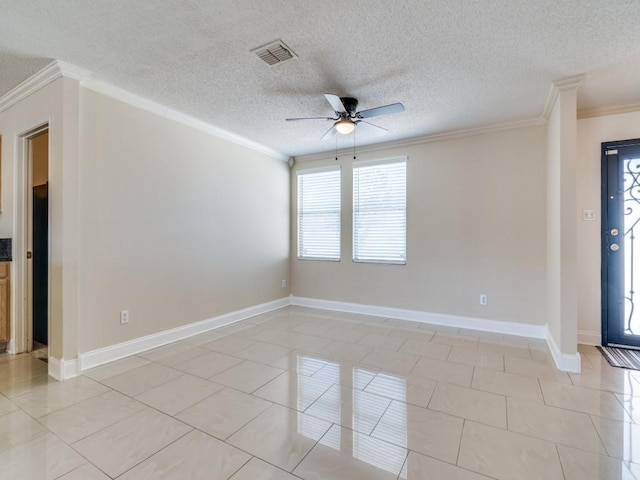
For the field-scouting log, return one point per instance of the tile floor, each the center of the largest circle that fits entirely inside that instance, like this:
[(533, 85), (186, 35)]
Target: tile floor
[(310, 394)]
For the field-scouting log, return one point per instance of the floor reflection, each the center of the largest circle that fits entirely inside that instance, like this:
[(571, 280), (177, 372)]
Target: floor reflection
[(355, 409)]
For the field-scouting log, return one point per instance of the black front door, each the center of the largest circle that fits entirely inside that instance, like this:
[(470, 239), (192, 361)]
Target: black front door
[(620, 243)]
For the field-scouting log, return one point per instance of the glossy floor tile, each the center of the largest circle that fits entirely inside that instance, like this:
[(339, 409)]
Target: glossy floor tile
[(444, 371), (176, 395), (425, 348), (345, 351), (247, 376), (18, 427), (224, 413), (139, 380), (85, 418), (43, 457), (294, 390), (343, 454), (420, 467), (256, 469), (477, 358), (389, 361), (471, 404), (508, 384), (296, 435), (420, 430), (85, 472), (586, 400), (581, 465), (45, 399), (204, 457), (408, 389), (558, 425), (310, 394), (208, 365), (352, 408), (125, 444), (506, 455)]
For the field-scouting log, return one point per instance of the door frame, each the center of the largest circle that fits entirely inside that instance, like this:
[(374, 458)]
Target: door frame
[(604, 231), (22, 226)]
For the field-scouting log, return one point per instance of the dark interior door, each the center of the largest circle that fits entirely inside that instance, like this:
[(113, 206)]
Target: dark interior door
[(40, 261), (620, 243)]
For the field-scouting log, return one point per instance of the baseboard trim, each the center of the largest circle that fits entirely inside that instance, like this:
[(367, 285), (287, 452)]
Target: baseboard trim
[(564, 361), (589, 338), (55, 368), (62, 369), (495, 326), (108, 354)]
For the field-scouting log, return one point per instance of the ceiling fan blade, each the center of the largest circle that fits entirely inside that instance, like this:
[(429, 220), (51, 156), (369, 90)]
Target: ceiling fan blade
[(330, 133), (367, 127), (335, 102), (309, 118), (385, 110)]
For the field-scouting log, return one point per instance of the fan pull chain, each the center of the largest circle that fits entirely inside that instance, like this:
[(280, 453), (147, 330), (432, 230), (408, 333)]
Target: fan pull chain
[(336, 148), (354, 144)]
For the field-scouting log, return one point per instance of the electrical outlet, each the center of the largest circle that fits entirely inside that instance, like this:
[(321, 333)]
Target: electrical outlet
[(483, 300), (284, 283), (124, 317)]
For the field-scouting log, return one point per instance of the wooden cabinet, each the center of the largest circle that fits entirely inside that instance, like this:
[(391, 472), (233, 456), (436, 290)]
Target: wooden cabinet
[(5, 295)]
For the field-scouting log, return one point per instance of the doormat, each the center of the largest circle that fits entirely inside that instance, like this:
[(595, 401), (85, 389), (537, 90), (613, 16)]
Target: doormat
[(621, 357)]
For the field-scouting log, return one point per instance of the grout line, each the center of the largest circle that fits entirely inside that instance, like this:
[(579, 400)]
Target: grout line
[(314, 445), (599, 436), (560, 462), (380, 419), (404, 465), (464, 423), (156, 452)]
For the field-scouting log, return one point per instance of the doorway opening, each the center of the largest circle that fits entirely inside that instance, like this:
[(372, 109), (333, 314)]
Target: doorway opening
[(32, 242)]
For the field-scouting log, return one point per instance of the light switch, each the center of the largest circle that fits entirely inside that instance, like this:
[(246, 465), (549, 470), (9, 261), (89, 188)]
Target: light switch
[(589, 215)]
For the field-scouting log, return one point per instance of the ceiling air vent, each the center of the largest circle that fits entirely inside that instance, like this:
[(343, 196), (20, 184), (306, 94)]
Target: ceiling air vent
[(274, 53)]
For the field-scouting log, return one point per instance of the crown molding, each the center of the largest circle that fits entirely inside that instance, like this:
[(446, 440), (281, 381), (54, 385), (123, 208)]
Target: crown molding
[(612, 110), (431, 138), (552, 96), (32, 84), (557, 86), (58, 69), (568, 83), (71, 71)]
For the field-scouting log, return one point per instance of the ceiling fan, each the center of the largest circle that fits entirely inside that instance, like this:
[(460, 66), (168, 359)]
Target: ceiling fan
[(347, 118)]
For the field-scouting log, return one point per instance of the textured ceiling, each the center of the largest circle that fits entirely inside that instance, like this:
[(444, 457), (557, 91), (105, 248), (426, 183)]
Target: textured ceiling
[(454, 64)]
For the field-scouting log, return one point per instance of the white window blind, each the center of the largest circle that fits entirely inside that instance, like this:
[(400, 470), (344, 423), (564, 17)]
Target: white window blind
[(319, 215), (380, 212)]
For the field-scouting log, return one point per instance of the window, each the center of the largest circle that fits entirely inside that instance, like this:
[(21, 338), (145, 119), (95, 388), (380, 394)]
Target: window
[(380, 212), (319, 214)]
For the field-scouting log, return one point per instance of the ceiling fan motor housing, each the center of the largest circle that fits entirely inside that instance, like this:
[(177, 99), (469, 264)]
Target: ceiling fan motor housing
[(350, 104)]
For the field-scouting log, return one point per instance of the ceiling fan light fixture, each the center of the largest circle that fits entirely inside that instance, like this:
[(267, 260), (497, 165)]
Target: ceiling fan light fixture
[(345, 126)]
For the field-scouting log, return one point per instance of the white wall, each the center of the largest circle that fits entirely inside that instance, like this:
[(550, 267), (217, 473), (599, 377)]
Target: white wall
[(476, 224), (177, 225), (591, 133)]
